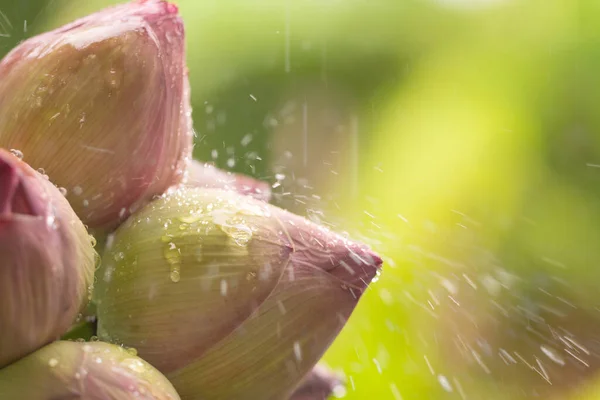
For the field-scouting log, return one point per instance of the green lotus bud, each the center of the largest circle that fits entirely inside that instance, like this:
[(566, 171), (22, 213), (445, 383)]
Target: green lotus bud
[(83, 371), (46, 261), (102, 105), (230, 297), (207, 176)]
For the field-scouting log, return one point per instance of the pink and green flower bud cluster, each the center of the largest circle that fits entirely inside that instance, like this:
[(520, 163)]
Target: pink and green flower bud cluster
[(222, 295)]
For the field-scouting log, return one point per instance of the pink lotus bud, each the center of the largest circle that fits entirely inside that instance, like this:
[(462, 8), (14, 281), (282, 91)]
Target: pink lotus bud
[(83, 371), (207, 176), (319, 384), (46, 261), (102, 105), (229, 296)]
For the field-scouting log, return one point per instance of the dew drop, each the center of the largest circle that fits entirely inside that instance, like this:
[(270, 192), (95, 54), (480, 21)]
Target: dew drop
[(17, 153), (235, 229), (189, 219), (131, 351), (77, 191), (172, 254), (53, 362), (62, 191), (134, 364), (51, 221), (175, 275)]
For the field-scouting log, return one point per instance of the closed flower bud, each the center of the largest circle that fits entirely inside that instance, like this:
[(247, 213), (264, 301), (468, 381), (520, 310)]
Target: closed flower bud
[(229, 296), (207, 176), (102, 104), (46, 261), (84, 371)]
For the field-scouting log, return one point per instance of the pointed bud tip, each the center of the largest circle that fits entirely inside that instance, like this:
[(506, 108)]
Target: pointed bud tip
[(353, 263), (358, 265), (153, 12), (16, 195), (156, 9), (165, 6)]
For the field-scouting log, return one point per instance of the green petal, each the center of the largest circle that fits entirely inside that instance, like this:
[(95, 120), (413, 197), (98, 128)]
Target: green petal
[(185, 271), (84, 371), (267, 357)]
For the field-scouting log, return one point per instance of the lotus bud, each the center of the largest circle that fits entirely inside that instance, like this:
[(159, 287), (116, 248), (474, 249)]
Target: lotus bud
[(230, 297), (102, 104), (84, 371), (47, 261), (318, 385), (207, 176)]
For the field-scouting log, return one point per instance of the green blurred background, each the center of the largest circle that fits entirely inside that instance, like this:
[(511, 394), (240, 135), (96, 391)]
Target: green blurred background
[(460, 138)]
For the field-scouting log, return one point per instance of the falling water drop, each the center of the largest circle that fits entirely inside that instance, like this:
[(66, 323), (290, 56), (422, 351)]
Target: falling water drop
[(297, 351), (445, 383), (223, 287)]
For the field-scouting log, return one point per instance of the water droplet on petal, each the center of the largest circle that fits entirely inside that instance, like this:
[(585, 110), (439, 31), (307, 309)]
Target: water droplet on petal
[(175, 275), (131, 351), (17, 153)]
